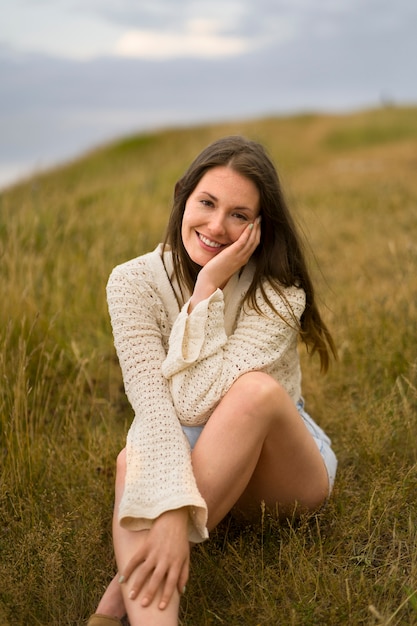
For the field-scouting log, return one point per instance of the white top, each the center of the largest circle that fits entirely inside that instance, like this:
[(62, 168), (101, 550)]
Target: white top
[(176, 368)]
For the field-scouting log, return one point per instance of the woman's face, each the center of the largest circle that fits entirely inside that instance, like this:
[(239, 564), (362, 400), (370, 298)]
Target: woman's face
[(221, 206)]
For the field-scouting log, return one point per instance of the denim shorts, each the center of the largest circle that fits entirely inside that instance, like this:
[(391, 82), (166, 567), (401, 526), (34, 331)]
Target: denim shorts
[(322, 440)]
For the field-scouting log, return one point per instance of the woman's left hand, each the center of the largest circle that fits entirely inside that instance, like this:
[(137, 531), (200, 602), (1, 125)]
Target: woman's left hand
[(161, 561)]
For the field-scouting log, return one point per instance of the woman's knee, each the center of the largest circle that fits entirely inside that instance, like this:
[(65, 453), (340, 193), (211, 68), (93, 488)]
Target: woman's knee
[(259, 389)]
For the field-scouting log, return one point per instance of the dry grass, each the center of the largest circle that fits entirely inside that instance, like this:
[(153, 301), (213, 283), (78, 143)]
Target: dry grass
[(63, 414)]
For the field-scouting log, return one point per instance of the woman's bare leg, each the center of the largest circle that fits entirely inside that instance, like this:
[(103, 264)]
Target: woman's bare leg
[(255, 447), (112, 603)]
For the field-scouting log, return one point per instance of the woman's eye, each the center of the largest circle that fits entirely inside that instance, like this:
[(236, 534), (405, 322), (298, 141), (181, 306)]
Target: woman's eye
[(240, 216), (208, 203)]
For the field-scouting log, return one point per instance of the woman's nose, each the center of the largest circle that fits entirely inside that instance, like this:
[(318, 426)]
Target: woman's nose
[(217, 225)]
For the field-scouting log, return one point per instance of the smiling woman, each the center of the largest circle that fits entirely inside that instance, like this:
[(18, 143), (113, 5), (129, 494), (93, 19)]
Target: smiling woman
[(206, 328)]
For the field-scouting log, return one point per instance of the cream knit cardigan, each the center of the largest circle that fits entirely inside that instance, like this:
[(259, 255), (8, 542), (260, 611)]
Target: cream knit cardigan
[(176, 368)]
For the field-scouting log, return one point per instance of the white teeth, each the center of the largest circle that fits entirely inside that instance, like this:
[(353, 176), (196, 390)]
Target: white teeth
[(208, 242)]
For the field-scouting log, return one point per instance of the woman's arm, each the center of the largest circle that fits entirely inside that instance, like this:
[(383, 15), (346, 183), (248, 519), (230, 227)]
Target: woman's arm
[(203, 363), (159, 474)]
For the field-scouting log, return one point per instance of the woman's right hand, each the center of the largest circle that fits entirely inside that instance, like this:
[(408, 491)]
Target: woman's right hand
[(161, 560)]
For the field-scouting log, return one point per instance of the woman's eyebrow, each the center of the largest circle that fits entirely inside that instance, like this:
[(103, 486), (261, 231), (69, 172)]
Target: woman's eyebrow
[(236, 208), (207, 193)]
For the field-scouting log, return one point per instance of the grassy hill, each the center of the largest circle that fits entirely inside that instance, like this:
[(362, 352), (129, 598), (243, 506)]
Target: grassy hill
[(352, 183)]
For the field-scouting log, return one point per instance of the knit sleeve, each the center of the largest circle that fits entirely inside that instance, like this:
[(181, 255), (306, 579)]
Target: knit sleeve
[(202, 362), (159, 473)]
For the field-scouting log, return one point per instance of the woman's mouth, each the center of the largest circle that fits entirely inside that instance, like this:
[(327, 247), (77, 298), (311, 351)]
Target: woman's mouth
[(209, 242)]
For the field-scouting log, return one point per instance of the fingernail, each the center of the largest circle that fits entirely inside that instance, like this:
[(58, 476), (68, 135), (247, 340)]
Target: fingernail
[(258, 219), (184, 589), (121, 579), (132, 595), (250, 226)]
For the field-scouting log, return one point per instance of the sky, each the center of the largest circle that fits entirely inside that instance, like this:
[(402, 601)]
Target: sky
[(75, 74)]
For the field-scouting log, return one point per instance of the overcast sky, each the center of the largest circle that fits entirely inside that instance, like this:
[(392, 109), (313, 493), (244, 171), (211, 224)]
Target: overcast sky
[(77, 73)]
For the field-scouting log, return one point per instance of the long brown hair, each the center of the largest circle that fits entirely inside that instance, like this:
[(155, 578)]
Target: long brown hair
[(279, 258)]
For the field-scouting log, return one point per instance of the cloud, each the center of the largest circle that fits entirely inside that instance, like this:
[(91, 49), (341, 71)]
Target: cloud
[(166, 14), (201, 38), (163, 29)]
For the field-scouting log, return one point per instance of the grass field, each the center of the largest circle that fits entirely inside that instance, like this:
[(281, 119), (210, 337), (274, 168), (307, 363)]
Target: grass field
[(352, 183)]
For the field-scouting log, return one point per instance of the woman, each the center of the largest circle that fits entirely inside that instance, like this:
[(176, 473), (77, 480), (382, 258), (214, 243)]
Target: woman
[(206, 330)]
